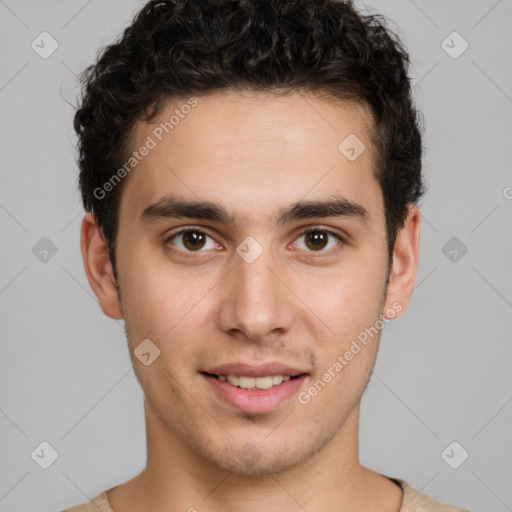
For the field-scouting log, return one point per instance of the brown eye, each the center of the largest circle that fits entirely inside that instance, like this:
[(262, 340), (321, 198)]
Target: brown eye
[(317, 240), (192, 240)]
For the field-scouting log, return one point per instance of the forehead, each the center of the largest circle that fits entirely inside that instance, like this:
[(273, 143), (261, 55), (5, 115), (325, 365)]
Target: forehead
[(253, 152)]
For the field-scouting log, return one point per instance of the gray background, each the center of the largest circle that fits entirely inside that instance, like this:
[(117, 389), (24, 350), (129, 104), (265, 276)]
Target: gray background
[(443, 371)]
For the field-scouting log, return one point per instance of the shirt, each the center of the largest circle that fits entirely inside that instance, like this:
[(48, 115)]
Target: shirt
[(413, 501)]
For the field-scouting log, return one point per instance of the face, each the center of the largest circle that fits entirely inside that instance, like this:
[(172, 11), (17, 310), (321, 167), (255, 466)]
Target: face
[(251, 252)]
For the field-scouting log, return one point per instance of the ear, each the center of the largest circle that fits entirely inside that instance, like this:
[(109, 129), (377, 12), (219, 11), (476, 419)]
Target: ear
[(404, 264), (98, 267)]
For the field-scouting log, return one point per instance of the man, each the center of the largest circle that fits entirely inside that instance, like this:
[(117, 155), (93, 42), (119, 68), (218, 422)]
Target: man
[(251, 172)]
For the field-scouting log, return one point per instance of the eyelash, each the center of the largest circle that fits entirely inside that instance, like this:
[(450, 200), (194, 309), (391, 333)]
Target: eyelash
[(306, 231)]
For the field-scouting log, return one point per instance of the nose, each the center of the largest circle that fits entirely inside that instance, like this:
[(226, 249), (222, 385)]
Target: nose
[(256, 304)]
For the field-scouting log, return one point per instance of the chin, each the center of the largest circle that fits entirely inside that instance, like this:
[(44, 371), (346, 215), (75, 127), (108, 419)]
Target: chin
[(253, 460)]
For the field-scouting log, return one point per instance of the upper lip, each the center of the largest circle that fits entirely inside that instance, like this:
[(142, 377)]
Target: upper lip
[(250, 370)]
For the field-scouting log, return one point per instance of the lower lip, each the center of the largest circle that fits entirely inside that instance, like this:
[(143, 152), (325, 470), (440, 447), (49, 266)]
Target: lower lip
[(256, 401)]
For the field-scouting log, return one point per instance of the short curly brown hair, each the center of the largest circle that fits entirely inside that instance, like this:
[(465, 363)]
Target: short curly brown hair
[(175, 48)]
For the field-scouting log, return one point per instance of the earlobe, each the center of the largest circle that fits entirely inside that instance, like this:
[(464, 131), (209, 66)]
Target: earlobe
[(405, 263), (98, 267)]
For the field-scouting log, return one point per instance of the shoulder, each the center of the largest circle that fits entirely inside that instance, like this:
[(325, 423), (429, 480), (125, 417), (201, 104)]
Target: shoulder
[(416, 501), (97, 504)]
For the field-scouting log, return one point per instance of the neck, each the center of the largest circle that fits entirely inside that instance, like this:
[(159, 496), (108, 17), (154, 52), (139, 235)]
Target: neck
[(176, 478)]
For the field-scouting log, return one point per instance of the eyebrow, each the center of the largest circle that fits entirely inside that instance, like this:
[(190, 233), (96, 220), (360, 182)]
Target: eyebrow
[(172, 207)]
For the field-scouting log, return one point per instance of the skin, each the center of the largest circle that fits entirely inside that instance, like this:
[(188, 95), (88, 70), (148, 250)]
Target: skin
[(296, 304)]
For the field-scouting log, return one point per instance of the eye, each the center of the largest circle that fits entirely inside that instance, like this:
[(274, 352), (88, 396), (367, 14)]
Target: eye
[(192, 240), (317, 240), (195, 240)]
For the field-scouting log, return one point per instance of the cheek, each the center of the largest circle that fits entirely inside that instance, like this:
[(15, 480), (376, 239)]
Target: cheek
[(148, 296), (161, 303), (350, 300)]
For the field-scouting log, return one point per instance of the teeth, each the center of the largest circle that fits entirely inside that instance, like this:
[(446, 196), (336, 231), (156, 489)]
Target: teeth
[(245, 382), (266, 382), (233, 380), (277, 379)]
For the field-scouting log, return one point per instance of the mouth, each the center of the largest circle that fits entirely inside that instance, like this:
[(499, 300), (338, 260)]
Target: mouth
[(248, 382), (254, 390)]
